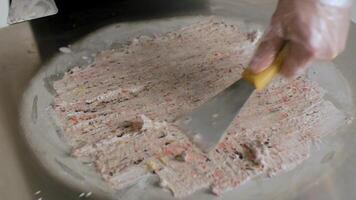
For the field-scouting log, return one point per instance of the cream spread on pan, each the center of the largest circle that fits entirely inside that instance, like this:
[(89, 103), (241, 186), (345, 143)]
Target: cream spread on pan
[(117, 112)]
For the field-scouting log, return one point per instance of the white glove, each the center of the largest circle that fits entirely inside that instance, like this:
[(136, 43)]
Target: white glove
[(315, 29)]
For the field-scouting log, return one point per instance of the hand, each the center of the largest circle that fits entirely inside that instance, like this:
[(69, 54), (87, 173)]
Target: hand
[(315, 29)]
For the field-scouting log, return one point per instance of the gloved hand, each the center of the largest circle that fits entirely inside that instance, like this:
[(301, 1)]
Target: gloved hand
[(315, 29)]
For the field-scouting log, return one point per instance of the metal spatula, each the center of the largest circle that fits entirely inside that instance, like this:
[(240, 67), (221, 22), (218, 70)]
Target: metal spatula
[(23, 10), (207, 124)]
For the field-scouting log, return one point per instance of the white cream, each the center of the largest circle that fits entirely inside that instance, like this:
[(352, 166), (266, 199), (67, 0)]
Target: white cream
[(180, 71)]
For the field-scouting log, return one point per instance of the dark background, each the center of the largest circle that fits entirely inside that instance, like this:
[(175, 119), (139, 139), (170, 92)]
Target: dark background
[(77, 18)]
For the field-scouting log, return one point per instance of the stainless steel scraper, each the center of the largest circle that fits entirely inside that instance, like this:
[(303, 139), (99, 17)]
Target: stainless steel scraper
[(23, 10), (207, 124)]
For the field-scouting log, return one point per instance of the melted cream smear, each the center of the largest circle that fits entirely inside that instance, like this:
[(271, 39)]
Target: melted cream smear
[(117, 112)]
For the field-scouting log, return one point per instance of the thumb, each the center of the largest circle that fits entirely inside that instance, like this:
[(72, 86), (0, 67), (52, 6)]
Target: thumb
[(266, 52)]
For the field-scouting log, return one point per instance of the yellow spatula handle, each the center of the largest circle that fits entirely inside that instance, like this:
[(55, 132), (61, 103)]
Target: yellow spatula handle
[(262, 79)]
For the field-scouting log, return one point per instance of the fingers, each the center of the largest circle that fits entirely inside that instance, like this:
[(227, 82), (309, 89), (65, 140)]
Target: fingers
[(296, 61), (266, 52)]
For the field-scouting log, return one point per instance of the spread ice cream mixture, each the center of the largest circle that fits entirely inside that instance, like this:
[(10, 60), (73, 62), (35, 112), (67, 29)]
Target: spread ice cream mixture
[(117, 112)]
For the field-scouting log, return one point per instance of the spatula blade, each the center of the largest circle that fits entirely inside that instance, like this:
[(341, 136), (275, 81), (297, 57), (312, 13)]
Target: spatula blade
[(23, 10), (207, 124)]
